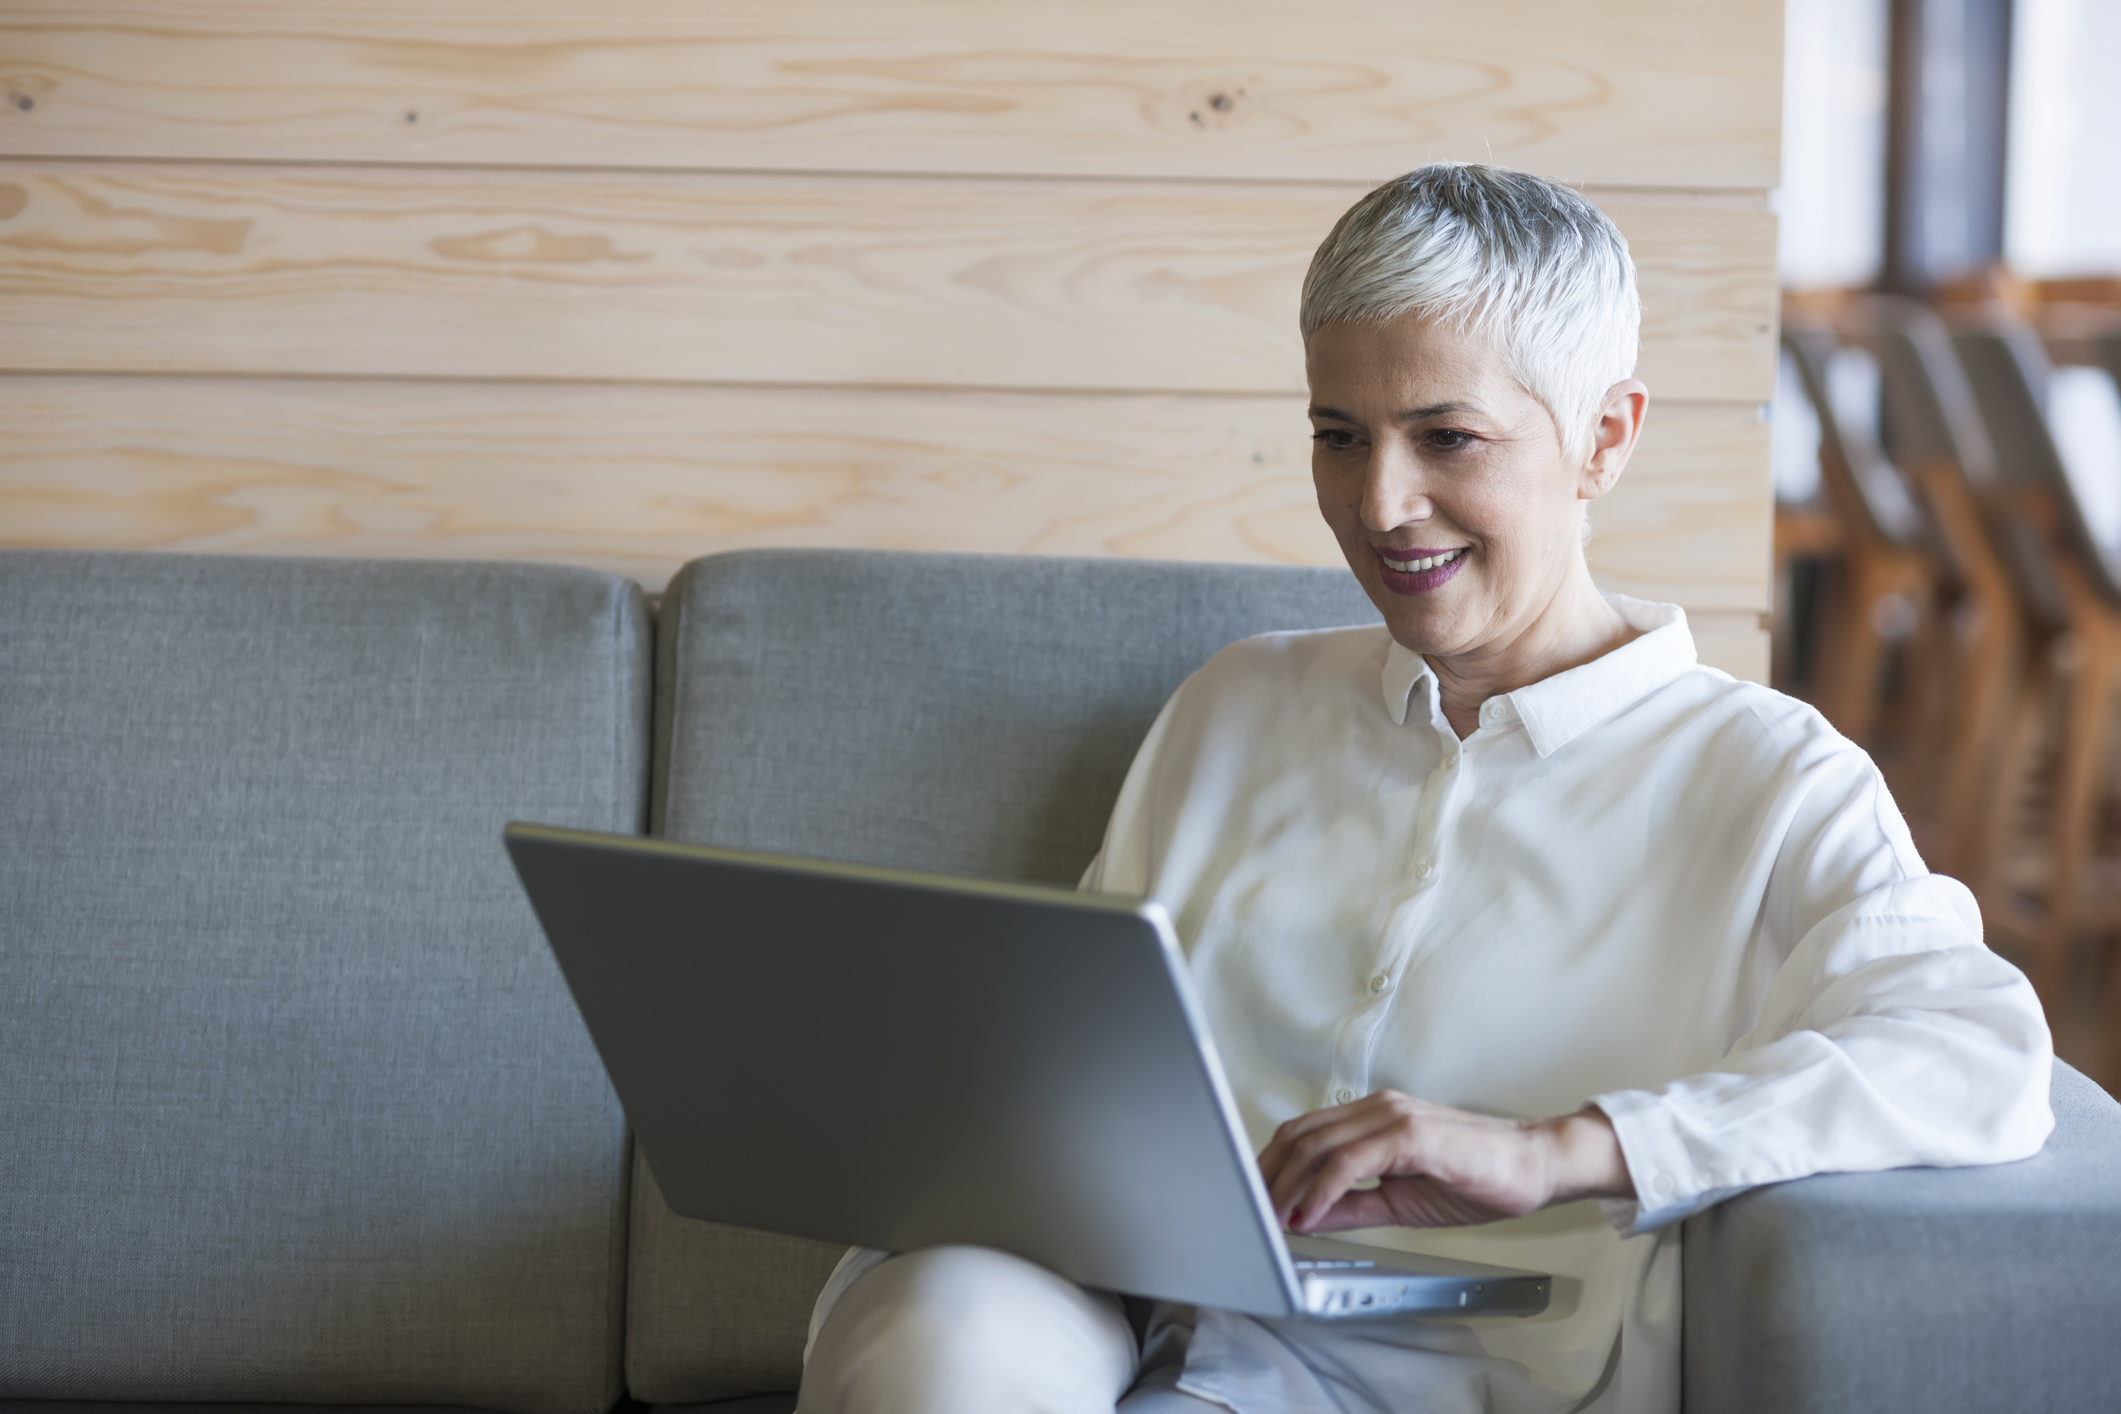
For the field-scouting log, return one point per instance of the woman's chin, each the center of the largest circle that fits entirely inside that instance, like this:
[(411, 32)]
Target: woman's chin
[(1431, 635), (1429, 624)]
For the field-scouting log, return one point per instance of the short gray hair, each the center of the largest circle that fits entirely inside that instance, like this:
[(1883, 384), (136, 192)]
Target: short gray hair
[(1527, 262)]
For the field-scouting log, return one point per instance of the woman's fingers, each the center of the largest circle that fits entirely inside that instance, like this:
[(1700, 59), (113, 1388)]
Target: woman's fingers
[(1277, 1162), (1299, 1146), (1323, 1160), (1437, 1165), (1286, 1137), (1362, 1157), (1402, 1202), (1359, 1207)]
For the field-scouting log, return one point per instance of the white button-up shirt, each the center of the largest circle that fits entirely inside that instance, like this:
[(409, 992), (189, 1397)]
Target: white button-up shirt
[(1639, 883)]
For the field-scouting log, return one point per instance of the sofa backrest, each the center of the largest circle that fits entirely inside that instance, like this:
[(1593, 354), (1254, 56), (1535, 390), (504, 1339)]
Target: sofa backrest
[(964, 713), (297, 1106)]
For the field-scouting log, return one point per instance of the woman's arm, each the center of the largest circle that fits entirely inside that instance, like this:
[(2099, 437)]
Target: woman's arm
[(1887, 1036), (1890, 1036), (1435, 1166)]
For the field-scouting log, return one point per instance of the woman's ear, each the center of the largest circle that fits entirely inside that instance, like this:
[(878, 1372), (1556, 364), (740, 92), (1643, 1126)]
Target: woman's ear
[(1613, 438)]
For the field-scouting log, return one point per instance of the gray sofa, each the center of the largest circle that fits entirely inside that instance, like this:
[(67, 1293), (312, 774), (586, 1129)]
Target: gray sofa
[(296, 1108)]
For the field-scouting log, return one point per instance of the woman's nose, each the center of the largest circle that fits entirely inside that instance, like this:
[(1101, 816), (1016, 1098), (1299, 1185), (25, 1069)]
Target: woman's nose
[(1392, 494)]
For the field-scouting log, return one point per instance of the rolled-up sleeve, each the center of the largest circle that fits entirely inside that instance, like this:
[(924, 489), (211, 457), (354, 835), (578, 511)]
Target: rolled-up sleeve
[(1889, 1035)]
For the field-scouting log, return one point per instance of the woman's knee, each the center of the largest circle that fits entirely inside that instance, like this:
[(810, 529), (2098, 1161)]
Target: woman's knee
[(971, 1329)]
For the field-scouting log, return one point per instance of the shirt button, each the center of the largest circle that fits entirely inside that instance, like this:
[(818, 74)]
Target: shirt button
[(1343, 1096), (1666, 1183), (1380, 982), (1422, 870), (1491, 711)]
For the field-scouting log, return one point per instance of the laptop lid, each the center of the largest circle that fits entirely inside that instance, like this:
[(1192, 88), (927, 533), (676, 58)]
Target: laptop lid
[(897, 1060)]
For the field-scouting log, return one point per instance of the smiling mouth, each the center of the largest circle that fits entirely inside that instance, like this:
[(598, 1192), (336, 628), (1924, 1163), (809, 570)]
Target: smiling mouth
[(1420, 563)]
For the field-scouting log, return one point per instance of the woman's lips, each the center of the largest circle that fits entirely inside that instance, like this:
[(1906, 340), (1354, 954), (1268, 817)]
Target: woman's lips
[(1419, 581)]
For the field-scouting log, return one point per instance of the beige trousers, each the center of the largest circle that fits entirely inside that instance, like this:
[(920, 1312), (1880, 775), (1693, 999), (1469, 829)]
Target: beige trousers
[(969, 1330)]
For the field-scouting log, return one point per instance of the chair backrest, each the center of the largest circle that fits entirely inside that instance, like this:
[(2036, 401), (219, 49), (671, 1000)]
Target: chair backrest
[(1931, 418), (297, 1106), (1794, 437), (2084, 417), (2109, 350), (965, 713), (1841, 384), (1929, 407), (2009, 371)]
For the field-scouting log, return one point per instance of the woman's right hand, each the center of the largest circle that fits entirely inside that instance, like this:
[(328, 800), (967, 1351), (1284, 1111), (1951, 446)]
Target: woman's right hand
[(1435, 1166)]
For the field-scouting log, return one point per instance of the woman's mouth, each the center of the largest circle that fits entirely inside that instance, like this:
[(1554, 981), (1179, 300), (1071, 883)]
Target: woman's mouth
[(1418, 571)]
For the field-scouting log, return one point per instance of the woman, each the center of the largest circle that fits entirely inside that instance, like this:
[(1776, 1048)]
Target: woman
[(1508, 905)]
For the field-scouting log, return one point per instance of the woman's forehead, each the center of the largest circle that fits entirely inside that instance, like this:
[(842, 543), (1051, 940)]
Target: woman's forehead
[(1413, 364)]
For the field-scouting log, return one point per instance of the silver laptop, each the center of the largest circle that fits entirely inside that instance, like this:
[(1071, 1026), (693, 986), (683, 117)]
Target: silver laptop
[(899, 1060)]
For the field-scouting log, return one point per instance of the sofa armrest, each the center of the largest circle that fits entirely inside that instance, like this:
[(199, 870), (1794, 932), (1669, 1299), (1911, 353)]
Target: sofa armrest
[(1943, 1290)]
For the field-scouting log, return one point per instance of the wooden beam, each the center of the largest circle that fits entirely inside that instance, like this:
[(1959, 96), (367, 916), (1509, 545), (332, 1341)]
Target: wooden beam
[(642, 478), (1650, 92), (554, 275)]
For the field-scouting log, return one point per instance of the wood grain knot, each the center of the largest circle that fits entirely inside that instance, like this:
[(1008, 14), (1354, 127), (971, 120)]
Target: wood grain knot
[(23, 90), (1217, 107), (12, 199)]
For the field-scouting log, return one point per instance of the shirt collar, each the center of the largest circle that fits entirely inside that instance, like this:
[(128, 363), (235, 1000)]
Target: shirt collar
[(1557, 710)]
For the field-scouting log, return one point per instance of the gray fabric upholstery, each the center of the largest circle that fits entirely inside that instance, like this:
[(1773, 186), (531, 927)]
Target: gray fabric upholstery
[(973, 714), (1952, 1291), (85, 1406), (714, 1311), (297, 1107)]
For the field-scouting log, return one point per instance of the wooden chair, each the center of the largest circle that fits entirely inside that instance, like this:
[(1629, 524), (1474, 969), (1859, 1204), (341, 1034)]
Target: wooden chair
[(1886, 580), (2008, 608), (2008, 369), (1808, 536), (2108, 352), (2092, 291), (2107, 349)]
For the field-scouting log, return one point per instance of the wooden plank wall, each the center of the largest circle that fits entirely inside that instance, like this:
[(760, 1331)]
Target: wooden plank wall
[(625, 283)]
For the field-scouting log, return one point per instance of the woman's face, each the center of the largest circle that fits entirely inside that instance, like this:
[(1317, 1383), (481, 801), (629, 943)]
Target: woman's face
[(1446, 482)]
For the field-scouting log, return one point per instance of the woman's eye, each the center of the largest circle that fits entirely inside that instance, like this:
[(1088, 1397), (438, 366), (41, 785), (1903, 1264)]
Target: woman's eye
[(1334, 440), (1447, 439)]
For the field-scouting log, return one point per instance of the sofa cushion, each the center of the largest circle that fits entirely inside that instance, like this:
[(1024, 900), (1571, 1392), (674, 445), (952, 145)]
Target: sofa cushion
[(297, 1105), (1952, 1291), (85, 1406), (965, 713)]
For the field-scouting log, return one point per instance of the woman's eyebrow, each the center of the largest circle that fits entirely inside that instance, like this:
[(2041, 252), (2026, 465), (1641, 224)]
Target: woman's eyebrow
[(1437, 410), (1319, 410)]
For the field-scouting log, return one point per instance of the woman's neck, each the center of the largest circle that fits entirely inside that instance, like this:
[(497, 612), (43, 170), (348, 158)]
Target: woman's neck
[(1575, 626)]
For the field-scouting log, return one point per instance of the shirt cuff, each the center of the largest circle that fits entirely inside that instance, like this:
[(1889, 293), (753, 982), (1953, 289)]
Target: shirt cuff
[(1668, 1184)]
